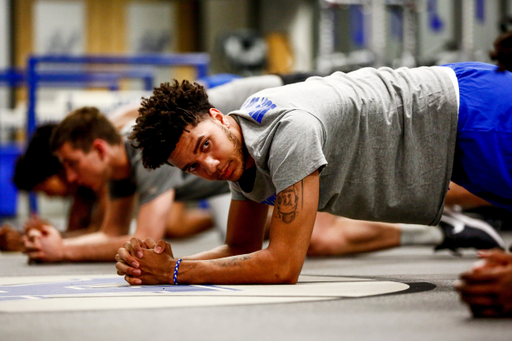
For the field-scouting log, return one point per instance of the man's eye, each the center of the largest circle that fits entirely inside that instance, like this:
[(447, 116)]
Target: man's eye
[(192, 167), (206, 144)]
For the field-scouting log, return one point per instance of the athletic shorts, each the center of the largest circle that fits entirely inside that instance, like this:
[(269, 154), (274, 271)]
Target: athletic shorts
[(483, 154)]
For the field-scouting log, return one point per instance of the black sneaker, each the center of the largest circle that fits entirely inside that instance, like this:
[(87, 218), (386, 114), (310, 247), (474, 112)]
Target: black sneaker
[(461, 231)]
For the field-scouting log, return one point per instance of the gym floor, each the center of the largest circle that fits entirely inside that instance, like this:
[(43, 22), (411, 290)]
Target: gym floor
[(429, 310)]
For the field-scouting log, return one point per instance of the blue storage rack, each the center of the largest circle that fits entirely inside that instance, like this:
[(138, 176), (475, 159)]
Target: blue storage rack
[(35, 77), (8, 153)]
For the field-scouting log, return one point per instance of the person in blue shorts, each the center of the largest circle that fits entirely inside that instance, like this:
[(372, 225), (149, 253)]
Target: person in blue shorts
[(373, 144)]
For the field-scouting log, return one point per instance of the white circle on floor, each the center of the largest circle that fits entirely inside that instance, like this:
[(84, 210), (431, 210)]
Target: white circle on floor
[(107, 292)]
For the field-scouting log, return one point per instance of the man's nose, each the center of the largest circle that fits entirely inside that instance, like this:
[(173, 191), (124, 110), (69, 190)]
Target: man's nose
[(210, 165), (71, 175)]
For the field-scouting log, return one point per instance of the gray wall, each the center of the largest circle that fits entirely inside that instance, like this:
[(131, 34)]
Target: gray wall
[(296, 19), (219, 17)]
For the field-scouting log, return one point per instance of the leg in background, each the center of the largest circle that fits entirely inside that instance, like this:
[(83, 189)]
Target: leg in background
[(185, 222), (339, 236)]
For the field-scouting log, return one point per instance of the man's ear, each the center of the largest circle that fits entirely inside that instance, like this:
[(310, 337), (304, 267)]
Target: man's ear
[(219, 117), (100, 146)]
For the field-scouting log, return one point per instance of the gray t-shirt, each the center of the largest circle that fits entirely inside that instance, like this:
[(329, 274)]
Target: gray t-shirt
[(383, 140), (149, 184)]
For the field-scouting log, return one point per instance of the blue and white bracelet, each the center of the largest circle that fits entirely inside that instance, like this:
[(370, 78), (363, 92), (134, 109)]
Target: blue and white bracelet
[(176, 271)]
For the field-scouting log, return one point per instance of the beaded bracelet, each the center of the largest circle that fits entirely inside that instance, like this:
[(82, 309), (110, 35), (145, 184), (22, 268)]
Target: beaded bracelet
[(176, 271)]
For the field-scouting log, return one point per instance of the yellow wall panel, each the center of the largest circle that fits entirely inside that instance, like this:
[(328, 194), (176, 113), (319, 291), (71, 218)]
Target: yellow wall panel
[(22, 30), (106, 26)]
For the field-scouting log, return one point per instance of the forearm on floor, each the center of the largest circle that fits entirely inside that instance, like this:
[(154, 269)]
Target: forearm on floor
[(260, 267), (95, 247)]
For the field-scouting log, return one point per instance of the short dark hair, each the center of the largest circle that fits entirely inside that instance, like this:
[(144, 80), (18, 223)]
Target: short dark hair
[(37, 163), (163, 118), (81, 127), (502, 52)]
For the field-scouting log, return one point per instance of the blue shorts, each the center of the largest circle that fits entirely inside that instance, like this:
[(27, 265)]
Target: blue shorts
[(483, 154)]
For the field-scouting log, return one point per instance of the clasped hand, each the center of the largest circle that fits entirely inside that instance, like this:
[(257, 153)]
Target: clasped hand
[(42, 242), (487, 288), (146, 262)]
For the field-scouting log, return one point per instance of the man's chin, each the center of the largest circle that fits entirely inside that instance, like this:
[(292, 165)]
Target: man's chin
[(235, 176)]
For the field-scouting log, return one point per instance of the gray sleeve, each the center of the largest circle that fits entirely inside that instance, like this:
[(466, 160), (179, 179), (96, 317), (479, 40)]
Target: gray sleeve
[(236, 193), (296, 149), (153, 183), (232, 95)]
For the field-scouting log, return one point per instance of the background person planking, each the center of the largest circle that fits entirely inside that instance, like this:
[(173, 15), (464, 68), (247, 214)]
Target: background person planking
[(93, 154)]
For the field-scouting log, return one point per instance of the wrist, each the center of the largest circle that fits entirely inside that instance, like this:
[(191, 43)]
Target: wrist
[(64, 253), (176, 272)]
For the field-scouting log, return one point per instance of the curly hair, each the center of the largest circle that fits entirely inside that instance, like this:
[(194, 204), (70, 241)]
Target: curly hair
[(164, 117), (502, 52), (37, 163)]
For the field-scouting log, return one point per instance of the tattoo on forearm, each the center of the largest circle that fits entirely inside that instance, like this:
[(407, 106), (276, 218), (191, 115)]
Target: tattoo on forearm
[(288, 201), (232, 261)]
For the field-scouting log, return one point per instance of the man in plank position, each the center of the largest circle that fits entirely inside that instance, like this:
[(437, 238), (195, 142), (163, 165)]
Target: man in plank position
[(374, 144)]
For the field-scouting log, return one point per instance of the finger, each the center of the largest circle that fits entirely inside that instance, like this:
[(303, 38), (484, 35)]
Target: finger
[(118, 258), (128, 246), (121, 273), (482, 276), (127, 257), (35, 255), (32, 243), (137, 246), (162, 246), (127, 270), (496, 256), (31, 248), (28, 243), (33, 234), (32, 224), (150, 243), (482, 264), (484, 289), (44, 230), (475, 296), (132, 281)]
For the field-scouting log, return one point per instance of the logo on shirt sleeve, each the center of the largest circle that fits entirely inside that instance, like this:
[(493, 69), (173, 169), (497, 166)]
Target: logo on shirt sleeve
[(257, 107), (271, 200)]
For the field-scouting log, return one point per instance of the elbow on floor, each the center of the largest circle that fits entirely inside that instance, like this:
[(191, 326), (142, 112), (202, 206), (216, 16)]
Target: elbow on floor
[(286, 276)]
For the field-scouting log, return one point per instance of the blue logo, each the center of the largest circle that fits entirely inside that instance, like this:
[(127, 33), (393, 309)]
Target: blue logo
[(271, 200), (257, 107)]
